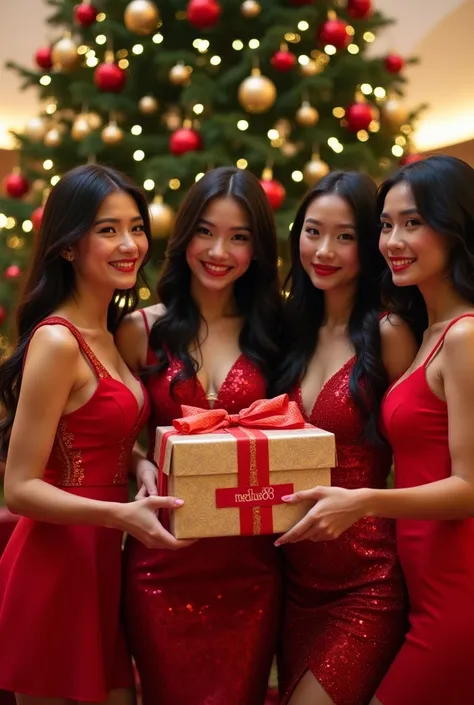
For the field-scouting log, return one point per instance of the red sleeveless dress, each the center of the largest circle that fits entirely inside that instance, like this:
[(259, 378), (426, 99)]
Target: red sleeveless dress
[(436, 662), (60, 626), (202, 621), (344, 600)]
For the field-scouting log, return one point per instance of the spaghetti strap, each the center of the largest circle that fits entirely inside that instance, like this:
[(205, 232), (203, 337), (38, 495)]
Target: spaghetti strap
[(443, 335), (97, 366), (145, 321)]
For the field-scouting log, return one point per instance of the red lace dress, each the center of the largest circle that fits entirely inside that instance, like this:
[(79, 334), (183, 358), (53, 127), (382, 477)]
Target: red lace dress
[(344, 600), (60, 629), (202, 621), (435, 664)]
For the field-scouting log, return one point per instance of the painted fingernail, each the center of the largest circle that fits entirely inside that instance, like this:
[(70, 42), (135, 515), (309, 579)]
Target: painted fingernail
[(179, 502), (286, 498)]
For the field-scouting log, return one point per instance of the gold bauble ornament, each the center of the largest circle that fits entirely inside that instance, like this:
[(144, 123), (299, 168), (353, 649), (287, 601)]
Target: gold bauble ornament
[(310, 69), (394, 113), (38, 185), (289, 149), (283, 127), (36, 129), (314, 170), (173, 122), (148, 105), (162, 218), (53, 137), (94, 120), (80, 128), (180, 74), (307, 115), (257, 93), (112, 134), (141, 17), (64, 55), (250, 8)]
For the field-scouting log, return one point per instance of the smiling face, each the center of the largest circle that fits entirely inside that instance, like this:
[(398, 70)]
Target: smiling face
[(414, 252), (113, 250), (328, 243), (221, 249)]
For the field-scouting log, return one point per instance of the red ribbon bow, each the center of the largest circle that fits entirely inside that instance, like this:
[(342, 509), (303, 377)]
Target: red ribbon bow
[(275, 413)]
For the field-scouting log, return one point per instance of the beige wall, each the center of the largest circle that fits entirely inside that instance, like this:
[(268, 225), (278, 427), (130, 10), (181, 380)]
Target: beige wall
[(7, 162)]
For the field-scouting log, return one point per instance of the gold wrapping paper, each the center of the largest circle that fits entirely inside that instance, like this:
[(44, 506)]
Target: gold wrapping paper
[(198, 465)]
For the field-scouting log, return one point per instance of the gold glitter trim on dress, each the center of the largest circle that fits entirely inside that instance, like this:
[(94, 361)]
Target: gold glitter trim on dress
[(121, 476), (71, 460)]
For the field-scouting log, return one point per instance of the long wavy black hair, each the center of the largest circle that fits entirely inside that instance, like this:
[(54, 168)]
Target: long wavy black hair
[(256, 292), (443, 191), (69, 214), (304, 311)]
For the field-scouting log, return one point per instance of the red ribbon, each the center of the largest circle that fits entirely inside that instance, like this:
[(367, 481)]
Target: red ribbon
[(254, 496), (264, 414)]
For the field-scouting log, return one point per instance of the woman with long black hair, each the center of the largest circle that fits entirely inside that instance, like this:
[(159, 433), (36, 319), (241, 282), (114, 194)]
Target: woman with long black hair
[(344, 602), (72, 413), (202, 621)]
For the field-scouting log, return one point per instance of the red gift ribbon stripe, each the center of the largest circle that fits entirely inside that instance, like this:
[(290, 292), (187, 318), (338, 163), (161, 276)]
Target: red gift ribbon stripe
[(253, 470), (163, 514)]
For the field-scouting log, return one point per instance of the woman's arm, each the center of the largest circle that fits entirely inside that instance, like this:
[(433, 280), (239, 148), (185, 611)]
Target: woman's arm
[(132, 342), (449, 499), (49, 377), (145, 472), (131, 339), (399, 346), (452, 498)]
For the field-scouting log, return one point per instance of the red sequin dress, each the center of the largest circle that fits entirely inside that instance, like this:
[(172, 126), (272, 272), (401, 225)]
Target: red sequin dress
[(202, 621), (435, 664), (60, 626), (344, 600)]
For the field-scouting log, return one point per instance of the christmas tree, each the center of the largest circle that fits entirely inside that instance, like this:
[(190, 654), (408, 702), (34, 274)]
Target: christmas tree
[(166, 90)]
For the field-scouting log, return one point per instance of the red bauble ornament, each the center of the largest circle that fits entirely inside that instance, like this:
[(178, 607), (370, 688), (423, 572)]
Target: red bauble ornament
[(334, 32), (185, 140), (36, 218), (410, 159), (16, 185), (109, 78), (359, 9), (85, 14), (283, 60), (394, 63), (359, 116), (43, 58), (12, 272), (275, 192), (3, 315), (203, 14)]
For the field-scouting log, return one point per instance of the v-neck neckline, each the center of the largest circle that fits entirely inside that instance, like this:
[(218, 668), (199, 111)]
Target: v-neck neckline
[(224, 383), (322, 390)]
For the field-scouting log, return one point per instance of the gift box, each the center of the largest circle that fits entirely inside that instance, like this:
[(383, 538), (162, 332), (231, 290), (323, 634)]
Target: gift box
[(233, 470)]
